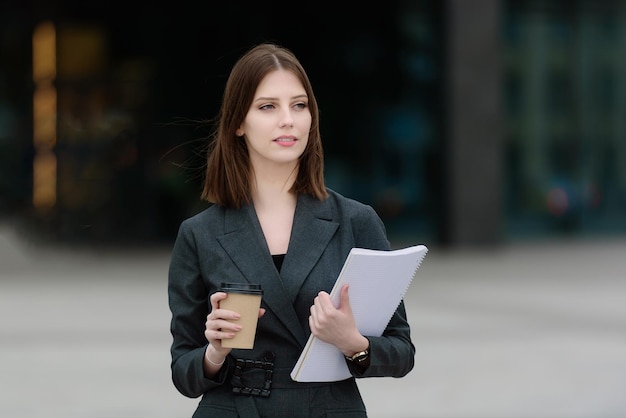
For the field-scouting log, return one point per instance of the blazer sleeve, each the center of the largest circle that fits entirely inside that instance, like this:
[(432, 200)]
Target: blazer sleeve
[(392, 354), (189, 306)]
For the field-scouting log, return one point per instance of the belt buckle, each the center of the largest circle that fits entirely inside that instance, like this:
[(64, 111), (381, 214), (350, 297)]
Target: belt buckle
[(242, 365)]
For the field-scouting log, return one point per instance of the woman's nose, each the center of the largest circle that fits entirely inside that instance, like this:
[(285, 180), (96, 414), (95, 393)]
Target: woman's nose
[(286, 120)]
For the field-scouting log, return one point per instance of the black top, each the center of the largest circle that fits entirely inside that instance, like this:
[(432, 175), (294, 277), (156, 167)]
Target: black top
[(278, 260)]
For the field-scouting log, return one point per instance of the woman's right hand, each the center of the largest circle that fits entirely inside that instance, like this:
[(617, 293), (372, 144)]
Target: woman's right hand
[(219, 324)]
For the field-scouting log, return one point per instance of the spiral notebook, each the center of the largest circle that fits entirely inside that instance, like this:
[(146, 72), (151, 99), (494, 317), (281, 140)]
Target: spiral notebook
[(378, 281)]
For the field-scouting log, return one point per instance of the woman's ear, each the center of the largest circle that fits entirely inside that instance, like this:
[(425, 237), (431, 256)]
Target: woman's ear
[(239, 132)]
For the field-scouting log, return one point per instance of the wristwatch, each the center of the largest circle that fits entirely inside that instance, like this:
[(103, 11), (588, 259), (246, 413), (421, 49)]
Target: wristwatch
[(359, 357)]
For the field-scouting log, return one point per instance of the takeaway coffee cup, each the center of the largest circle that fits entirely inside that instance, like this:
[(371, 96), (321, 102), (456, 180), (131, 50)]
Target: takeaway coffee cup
[(245, 299)]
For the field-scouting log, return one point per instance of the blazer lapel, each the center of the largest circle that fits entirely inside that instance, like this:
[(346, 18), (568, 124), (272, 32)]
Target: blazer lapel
[(244, 242), (311, 232)]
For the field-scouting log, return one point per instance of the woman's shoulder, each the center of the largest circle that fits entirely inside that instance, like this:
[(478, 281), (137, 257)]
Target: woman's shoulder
[(355, 211), (348, 203), (367, 226), (203, 217)]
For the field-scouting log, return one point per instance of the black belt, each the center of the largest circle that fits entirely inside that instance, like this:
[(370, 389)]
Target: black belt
[(244, 367), (258, 377)]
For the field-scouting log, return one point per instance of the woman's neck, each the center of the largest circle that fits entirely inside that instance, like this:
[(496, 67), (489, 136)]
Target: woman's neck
[(273, 184), (275, 206), (267, 195)]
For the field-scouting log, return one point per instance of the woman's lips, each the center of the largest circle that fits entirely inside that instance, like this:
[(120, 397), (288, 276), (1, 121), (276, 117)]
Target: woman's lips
[(286, 140)]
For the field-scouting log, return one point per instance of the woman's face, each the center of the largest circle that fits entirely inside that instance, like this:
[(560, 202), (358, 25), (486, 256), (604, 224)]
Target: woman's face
[(276, 127)]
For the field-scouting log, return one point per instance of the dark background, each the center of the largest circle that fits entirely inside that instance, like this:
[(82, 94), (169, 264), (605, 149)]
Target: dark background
[(424, 113)]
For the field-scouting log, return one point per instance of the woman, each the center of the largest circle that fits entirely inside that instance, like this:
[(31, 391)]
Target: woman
[(273, 222)]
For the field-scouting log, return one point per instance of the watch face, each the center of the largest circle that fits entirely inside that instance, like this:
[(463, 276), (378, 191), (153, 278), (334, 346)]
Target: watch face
[(359, 357)]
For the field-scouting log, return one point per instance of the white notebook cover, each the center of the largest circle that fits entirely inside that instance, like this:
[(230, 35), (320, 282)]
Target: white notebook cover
[(378, 281)]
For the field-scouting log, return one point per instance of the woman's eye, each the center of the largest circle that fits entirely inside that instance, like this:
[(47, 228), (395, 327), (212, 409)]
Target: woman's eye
[(266, 107), (300, 106)]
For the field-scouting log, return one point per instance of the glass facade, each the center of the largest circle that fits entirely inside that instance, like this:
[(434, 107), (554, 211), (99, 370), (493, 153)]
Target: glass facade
[(565, 72), (382, 124), (129, 89)]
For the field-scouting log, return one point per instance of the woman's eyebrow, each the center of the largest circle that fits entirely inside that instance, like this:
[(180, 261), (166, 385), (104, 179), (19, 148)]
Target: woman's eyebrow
[(269, 99)]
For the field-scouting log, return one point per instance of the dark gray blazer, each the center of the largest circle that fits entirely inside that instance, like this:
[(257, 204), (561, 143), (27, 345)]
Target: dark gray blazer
[(221, 245)]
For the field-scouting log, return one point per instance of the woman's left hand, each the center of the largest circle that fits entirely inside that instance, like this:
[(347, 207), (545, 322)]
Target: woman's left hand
[(336, 326)]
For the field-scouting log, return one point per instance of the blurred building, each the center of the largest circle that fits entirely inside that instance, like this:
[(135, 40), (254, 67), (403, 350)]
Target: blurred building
[(565, 142), (461, 122)]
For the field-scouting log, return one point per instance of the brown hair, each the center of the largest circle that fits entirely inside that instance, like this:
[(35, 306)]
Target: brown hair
[(228, 171)]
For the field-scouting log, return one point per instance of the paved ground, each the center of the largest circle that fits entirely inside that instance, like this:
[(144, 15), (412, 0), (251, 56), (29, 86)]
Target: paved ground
[(531, 330)]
